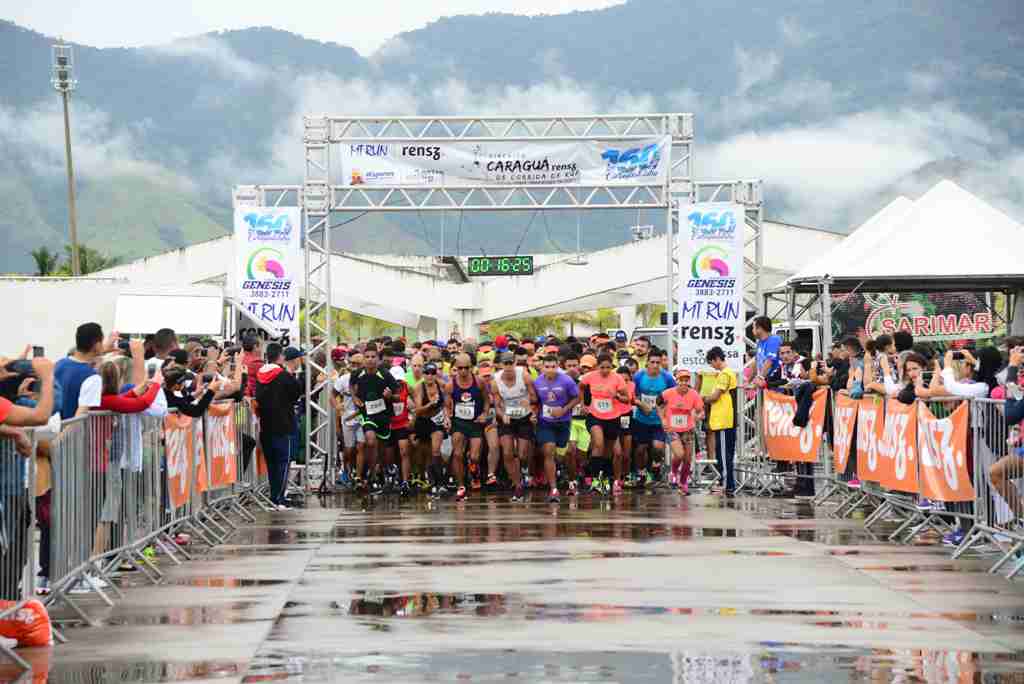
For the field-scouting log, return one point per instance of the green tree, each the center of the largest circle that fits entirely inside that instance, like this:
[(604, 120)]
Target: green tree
[(46, 261), (89, 260), (649, 315)]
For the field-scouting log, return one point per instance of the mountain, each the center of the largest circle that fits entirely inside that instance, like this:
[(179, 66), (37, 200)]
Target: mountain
[(835, 105)]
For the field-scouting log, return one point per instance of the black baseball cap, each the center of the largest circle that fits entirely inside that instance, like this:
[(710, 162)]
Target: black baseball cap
[(292, 353)]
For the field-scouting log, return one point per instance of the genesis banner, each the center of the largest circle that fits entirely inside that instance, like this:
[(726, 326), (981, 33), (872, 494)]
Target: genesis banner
[(507, 162), (268, 262), (710, 287)]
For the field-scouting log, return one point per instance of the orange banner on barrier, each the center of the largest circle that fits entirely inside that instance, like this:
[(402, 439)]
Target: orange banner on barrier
[(199, 443), (870, 426), (843, 423), (943, 451), (897, 452), (785, 441), (220, 428), (178, 448)]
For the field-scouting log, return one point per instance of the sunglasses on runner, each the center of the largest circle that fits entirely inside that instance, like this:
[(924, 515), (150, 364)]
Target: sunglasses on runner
[(462, 367)]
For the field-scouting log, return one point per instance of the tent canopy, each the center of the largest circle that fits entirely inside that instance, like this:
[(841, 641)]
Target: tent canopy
[(949, 240)]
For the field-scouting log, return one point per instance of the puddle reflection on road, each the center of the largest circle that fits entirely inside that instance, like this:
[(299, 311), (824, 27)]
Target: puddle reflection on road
[(768, 661)]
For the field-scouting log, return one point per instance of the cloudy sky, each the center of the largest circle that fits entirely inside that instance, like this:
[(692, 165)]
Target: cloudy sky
[(362, 25)]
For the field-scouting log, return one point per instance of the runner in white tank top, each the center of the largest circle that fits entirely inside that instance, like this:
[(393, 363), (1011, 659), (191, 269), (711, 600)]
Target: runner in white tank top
[(516, 417)]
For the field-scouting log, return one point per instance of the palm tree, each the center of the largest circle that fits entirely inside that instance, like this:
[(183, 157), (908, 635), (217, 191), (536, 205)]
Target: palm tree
[(650, 314), (89, 261), (46, 261), (579, 317)]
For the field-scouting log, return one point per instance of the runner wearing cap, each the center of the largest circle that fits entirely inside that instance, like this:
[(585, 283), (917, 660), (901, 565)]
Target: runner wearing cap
[(353, 437), (400, 432), (579, 438), (470, 405), (432, 422), (600, 389), (485, 371), (680, 408), (514, 403)]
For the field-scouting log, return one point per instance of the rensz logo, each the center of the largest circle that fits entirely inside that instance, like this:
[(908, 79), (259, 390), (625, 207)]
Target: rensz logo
[(712, 225), (633, 163), (269, 226)]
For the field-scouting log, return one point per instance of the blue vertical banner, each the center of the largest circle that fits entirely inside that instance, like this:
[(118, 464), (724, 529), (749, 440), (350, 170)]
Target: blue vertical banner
[(710, 292), (268, 263)]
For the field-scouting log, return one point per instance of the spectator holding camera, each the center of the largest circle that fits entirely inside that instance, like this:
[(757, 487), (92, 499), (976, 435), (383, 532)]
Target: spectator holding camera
[(82, 387), (963, 375), (116, 372), (181, 397)]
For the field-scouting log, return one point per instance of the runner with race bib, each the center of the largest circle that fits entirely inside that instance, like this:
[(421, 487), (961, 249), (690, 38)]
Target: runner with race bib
[(372, 391), (515, 398), (558, 395), (432, 423), (681, 408), (600, 389), (470, 404)]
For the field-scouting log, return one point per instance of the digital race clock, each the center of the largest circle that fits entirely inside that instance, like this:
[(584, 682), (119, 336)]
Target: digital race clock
[(500, 266)]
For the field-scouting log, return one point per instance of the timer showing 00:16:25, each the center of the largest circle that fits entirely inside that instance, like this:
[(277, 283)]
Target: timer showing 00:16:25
[(500, 265)]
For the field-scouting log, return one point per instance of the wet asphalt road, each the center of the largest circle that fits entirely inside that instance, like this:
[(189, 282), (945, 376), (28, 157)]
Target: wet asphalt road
[(646, 588)]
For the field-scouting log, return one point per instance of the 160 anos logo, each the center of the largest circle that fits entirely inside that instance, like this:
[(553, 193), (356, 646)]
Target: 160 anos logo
[(269, 226), (638, 162), (712, 225)]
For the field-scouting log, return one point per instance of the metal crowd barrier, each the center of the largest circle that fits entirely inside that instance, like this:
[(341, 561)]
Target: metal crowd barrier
[(127, 486), (17, 530), (941, 484)]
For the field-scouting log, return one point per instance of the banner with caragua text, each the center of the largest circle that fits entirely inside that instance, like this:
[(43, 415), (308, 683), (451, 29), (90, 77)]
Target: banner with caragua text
[(844, 422), (785, 441), (943, 452), (449, 163), (268, 265), (178, 449), (897, 450), (222, 441), (870, 427), (710, 295)]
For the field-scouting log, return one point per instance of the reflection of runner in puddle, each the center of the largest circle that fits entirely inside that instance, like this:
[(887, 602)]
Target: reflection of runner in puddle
[(423, 605)]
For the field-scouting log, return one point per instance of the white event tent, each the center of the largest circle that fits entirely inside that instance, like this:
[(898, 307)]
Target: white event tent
[(947, 241)]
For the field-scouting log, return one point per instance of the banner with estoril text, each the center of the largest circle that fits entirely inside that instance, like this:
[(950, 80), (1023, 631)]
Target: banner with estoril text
[(507, 162), (710, 292)]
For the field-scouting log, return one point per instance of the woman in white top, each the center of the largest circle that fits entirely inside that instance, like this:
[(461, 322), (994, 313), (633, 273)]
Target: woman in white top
[(965, 376)]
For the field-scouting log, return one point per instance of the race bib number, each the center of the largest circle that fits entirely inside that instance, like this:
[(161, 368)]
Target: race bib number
[(649, 399), (547, 412), (624, 422), (375, 406), (464, 411), (603, 405), (515, 412), (398, 408), (680, 421), (438, 419), (577, 411)]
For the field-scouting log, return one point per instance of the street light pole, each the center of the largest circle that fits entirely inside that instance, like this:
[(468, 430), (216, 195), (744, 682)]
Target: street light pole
[(64, 83)]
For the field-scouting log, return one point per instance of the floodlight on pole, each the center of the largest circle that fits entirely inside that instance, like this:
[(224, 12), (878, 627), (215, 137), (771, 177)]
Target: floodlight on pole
[(64, 82)]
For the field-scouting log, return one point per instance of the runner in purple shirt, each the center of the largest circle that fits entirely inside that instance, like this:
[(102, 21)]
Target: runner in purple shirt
[(558, 394)]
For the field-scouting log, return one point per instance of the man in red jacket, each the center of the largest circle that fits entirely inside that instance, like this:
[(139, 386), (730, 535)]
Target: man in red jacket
[(253, 359)]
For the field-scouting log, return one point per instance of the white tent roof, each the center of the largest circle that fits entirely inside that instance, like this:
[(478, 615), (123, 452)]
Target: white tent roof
[(879, 224), (949, 239)]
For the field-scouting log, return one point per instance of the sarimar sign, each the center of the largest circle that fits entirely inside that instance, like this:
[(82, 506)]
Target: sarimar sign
[(507, 162)]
